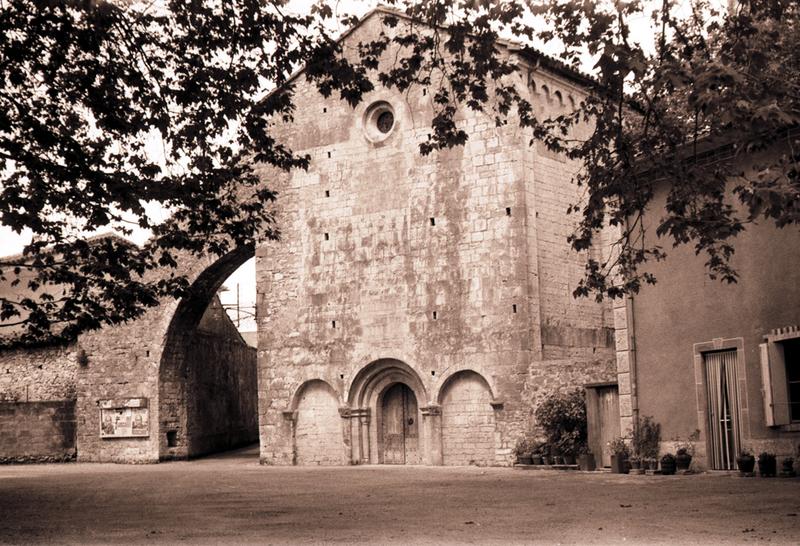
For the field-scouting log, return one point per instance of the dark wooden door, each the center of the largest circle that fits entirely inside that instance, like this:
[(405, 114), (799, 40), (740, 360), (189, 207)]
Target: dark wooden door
[(602, 414), (400, 430)]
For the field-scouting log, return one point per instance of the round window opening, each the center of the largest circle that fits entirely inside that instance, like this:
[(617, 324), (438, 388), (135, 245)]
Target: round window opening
[(379, 121), (385, 121)]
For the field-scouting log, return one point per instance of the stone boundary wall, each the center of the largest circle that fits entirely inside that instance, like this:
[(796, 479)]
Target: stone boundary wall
[(38, 374), (37, 432)]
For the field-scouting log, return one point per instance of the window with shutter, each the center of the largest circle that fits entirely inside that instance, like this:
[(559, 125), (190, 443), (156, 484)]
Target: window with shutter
[(780, 376), (791, 356)]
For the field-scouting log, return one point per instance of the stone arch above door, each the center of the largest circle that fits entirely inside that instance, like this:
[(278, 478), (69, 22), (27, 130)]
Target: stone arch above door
[(373, 378)]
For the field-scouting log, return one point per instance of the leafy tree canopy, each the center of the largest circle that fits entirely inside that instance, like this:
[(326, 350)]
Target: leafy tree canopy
[(89, 87)]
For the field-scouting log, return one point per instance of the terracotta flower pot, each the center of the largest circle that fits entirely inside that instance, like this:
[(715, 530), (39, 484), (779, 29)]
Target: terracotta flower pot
[(767, 468)]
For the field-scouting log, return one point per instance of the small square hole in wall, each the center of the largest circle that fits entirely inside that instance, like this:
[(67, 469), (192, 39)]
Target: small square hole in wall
[(147, 353), (435, 316), (324, 110), (327, 193), (327, 237), (329, 155), (172, 438), (341, 376), (508, 211), (333, 324), (433, 372), (514, 308), (433, 221)]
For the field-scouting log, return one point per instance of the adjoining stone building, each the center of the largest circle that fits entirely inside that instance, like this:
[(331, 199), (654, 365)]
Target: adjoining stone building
[(208, 403)]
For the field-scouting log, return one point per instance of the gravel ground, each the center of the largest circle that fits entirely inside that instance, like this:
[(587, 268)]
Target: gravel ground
[(232, 499)]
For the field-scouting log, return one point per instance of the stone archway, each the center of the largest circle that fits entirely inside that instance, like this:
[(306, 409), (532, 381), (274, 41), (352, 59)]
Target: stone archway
[(129, 363), (201, 403)]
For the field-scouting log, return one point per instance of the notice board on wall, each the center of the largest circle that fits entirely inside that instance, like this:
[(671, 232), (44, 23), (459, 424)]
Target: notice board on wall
[(124, 418)]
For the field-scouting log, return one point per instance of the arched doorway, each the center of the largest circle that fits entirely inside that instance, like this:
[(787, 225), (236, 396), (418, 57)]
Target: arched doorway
[(386, 404), (399, 425)]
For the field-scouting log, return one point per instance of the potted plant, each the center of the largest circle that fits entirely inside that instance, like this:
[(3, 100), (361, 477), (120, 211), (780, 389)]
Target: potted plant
[(685, 451), (537, 453), (636, 464), (562, 417), (523, 449), (746, 462), (766, 464), (668, 464), (546, 458), (586, 460), (646, 441), (619, 455), (569, 444), (787, 467)]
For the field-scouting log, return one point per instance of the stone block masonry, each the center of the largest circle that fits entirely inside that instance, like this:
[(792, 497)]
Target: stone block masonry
[(37, 431), (37, 375)]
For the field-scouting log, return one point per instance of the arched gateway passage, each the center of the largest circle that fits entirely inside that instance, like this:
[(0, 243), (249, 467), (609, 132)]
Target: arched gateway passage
[(207, 375)]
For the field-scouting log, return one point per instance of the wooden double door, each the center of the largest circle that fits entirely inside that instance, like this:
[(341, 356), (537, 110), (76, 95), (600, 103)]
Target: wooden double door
[(399, 425)]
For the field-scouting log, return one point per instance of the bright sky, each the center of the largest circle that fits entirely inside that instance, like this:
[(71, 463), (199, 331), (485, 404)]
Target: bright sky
[(244, 277)]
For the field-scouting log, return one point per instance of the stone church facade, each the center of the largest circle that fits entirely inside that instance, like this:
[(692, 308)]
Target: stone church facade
[(418, 308)]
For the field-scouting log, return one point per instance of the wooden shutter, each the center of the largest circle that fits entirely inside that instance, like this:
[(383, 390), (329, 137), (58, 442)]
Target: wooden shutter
[(775, 390)]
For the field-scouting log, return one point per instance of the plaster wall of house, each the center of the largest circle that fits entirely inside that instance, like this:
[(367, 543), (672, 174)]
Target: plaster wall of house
[(687, 314)]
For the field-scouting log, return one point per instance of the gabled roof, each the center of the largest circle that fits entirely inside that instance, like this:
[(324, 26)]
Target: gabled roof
[(536, 57)]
